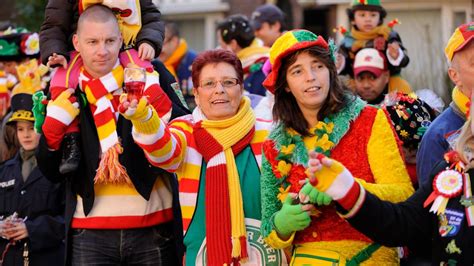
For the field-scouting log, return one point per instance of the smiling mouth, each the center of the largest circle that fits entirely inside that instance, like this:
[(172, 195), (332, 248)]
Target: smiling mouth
[(219, 101), (313, 89)]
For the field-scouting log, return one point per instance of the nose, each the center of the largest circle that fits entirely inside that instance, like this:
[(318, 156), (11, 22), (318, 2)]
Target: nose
[(310, 75), (102, 49), (219, 89)]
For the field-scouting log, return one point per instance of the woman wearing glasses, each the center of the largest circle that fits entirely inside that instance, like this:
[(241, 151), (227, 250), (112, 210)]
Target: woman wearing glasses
[(215, 153), (313, 111)]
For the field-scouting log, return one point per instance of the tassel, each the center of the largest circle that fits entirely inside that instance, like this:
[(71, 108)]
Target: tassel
[(244, 255), (110, 170), (236, 247)]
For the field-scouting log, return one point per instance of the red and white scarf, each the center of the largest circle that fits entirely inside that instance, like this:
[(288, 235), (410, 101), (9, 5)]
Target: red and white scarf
[(100, 94)]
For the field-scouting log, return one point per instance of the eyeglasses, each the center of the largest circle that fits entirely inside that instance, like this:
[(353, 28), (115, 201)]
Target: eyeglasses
[(211, 83)]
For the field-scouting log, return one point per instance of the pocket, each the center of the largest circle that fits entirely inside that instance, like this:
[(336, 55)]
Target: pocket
[(163, 233), (77, 232)]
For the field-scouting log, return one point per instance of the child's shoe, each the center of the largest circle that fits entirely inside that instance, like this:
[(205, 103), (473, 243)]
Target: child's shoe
[(71, 153)]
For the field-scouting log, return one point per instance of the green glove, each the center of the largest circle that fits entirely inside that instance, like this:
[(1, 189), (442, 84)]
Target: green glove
[(315, 196), (290, 218), (39, 110)]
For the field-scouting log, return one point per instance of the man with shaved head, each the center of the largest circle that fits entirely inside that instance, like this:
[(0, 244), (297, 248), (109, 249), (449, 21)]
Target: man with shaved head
[(118, 207)]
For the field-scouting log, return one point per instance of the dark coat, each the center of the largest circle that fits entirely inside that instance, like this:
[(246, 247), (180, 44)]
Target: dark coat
[(60, 23), (410, 224), (42, 202)]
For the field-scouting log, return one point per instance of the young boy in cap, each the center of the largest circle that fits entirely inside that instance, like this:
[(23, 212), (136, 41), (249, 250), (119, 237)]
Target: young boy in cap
[(367, 31), (268, 22)]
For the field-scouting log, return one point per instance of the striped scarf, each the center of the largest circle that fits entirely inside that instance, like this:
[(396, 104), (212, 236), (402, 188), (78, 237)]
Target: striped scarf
[(100, 94), (219, 142)]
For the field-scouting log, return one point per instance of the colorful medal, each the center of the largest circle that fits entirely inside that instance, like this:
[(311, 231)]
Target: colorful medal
[(446, 185)]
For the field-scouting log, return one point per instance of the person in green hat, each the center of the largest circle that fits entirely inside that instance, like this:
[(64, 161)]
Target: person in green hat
[(313, 111), (367, 31)]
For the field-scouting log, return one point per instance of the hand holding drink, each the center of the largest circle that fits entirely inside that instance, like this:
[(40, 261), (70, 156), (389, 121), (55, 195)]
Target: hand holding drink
[(135, 79)]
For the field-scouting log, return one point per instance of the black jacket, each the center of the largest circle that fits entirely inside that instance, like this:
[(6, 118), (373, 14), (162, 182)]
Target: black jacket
[(60, 23), (42, 202), (410, 224)]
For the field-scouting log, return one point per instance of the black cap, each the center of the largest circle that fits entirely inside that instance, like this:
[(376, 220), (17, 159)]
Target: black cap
[(267, 13), (22, 105)]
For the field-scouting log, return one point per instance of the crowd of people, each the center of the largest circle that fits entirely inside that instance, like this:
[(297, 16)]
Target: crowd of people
[(279, 147)]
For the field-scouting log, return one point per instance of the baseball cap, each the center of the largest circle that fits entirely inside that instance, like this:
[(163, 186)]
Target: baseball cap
[(266, 13), (461, 36), (371, 60)]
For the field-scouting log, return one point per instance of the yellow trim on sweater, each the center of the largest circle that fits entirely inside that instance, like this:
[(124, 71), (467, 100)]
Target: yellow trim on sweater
[(392, 185), (276, 242)]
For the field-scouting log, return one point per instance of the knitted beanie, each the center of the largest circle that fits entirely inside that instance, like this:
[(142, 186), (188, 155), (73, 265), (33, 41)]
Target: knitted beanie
[(286, 44)]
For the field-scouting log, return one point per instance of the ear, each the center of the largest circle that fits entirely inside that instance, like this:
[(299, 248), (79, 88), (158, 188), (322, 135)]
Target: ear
[(75, 42), (287, 89), (196, 94), (454, 76), (234, 46)]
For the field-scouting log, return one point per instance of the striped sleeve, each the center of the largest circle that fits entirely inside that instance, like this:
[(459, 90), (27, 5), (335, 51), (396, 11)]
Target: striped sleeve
[(157, 97), (166, 147)]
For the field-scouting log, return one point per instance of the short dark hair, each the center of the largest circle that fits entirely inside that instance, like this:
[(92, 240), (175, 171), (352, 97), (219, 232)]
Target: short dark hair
[(213, 57), (96, 13), (286, 109), (172, 29), (238, 28)]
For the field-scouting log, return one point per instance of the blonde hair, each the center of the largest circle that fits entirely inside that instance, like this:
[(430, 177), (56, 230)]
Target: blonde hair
[(465, 138)]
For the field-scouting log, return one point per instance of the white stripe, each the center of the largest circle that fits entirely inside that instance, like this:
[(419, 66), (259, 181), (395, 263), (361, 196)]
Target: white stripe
[(187, 199), (127, 205), (149, 139), (59, 114), (258, 158), (109, 82), (166, 117), (217, 160), (340, 186), (109, 141), (193, 156)]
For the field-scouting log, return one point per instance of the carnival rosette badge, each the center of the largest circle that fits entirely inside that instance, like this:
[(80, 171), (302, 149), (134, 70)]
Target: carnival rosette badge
[(30, 44), (446, 185)]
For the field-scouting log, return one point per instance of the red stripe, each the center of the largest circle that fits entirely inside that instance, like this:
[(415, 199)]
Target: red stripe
[(97, 88), (218, 231), (186, 223), (123, 222), (187, 185), (158, 99), (103, 117), (53, 131), (351, 197)]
